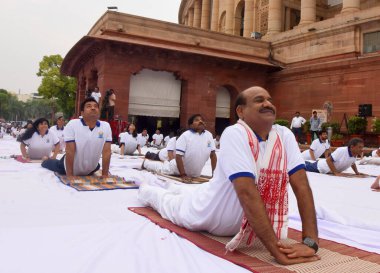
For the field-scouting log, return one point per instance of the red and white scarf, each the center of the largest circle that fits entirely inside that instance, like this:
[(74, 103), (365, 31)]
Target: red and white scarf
[(271, 181)]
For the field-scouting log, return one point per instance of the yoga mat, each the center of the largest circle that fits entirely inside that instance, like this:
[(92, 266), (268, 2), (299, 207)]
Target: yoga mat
[(96, 182), (335, 258)]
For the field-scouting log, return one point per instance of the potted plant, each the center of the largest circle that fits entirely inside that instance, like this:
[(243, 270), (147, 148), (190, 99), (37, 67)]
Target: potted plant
[(376, 129), (337, 140), (306, 131), (356, 126), (283, 122)]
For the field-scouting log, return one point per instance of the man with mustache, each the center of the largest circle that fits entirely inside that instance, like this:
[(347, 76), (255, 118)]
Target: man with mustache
[(193, 148), (247, 197)]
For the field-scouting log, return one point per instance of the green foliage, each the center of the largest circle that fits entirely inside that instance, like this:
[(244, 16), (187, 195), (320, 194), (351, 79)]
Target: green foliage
[(356, 125), (55, 86), (283, 122), (306, 127), (334, 125), (10, 106), (376, 125), (336, 137)]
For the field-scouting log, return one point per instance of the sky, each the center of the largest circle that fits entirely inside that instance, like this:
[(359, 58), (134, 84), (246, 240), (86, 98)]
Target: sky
[(31, 29)]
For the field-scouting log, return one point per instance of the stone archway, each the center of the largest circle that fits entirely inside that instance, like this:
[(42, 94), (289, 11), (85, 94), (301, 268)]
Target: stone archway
[(224, 103), (222, 22), (239, 19)]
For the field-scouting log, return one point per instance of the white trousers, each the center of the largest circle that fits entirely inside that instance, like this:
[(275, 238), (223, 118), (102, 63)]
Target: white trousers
[(166, 167)]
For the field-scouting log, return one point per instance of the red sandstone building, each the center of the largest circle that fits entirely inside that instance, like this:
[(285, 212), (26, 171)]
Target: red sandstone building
[(169, 71)]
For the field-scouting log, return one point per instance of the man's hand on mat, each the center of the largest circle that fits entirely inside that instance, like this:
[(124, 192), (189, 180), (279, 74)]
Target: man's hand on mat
[(186, 179), (296, 250)]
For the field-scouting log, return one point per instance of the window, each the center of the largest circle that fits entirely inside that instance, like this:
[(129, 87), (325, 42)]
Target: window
[(371, 42)]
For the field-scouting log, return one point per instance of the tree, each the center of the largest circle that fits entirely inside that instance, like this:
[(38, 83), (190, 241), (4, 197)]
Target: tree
[(55, 86)]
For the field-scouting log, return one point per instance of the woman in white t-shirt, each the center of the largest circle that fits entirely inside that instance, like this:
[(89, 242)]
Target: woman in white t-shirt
[(38, 142), (128, 142)]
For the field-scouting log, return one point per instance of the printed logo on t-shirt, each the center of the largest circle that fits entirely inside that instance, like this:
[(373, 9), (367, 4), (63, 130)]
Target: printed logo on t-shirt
[(100, 135), (47, 140), (209, 144)]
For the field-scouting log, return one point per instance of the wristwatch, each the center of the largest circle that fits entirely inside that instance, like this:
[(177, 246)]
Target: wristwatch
[(310, 243)]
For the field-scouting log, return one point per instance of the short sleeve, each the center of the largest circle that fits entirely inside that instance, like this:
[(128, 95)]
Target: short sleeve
[(235, 156), (54, 137), (293, 153), (70, 132), (314, 144), (212, 142), (27, 141), (108, 132), (181, 144), (338, 153), (171, 144)]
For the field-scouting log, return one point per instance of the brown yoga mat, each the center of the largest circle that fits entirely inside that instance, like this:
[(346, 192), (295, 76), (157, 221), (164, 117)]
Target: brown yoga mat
[(335, 257)]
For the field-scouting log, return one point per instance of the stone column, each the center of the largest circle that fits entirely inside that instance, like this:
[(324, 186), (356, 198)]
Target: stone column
[(308, 12), (191, 17), (215, 15), (274, 17), (197, 14), (287, 18), (205, 21), (248, 17), (229, 17), (350, 6)]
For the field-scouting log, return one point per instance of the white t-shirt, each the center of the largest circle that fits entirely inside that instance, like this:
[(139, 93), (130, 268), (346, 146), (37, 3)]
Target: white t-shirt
[(166, 139), (297, 122), (374, 154), (130, 143), (142, 139), (318, 147), (163, 154), (214, 206), (195, 149), (88, 144), (60, 133), (342, 159), (96, 96), (157, 139), (40, 146)]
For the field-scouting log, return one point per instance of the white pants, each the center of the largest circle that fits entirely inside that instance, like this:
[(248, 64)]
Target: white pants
[(166, 167)]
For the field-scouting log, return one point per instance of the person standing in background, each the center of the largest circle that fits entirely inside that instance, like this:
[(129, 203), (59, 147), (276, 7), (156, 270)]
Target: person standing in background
[(96, 94), (315, 125), (296, 126), (111, 104)]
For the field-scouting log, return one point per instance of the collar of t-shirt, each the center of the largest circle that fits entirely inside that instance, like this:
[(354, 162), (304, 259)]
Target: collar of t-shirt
[(349, 152), (193, 131), (40, 134), (60, 129), (84, 123)]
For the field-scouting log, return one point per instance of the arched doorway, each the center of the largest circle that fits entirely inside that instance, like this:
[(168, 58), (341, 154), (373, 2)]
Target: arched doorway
[(222, 22), (154, 101), (223, 109), (239, 19)]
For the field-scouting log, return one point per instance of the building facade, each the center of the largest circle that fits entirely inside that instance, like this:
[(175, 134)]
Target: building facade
[(306, 53)]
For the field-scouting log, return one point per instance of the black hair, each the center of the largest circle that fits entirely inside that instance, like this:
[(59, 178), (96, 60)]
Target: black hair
[(354, 141), (298, 113), (321, 132), (134, 134), (180, 131), (87, 100), (240, 100), (314, 112), (192, 118), (29, 132), (27, 123)]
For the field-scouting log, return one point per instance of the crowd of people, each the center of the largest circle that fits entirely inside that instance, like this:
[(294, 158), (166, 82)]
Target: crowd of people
[(247, 194)]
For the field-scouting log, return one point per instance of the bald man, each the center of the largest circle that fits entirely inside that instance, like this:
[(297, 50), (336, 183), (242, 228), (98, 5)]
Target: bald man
[(256, 162)]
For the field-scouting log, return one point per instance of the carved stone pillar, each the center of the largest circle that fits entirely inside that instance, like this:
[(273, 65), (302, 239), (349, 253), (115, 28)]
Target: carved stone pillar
[(248, 17), (191, 17), (197, 14), (229, 16), (274, 16), (215, 15), (308, 12), (350, 6), (205, 21)]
